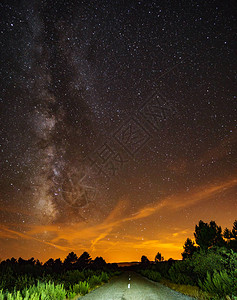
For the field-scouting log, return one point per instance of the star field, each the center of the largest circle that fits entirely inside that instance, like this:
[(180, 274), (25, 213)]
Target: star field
[(118, 125)]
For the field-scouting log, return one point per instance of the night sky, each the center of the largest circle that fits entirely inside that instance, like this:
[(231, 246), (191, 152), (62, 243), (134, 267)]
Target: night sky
[(118, 125)]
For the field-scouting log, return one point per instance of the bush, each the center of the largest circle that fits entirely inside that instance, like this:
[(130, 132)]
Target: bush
[(95, 280), (51, 290), (203, 262), (76, 288), (1, 295), (73, 277), (163, 268), (180, 272), (49, 286), (229, 259), (45, 291), (150, 274), (214, 270), (7, 279), (116, 273), (23, 281), (71, 295), (104, 277), (81, 288), (220, 283)]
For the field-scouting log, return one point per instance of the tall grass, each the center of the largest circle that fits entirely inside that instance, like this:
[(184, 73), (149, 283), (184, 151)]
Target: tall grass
[(53, 287)]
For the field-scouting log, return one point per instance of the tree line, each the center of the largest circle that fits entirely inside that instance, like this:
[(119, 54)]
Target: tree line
[(71, 262), (207, 235)]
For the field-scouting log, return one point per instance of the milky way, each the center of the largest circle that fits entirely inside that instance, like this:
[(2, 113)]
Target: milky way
[(110, 108)]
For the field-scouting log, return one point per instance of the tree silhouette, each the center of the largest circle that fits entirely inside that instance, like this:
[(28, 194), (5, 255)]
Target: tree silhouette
[(144, 260), (233, 243), (38, 263), (158, 257), (234, 230), (231, 236), (227, 234), (13, 260), (49, 263), (83, 261), (208, 235), (31, 261), (189, 248), (20, 261), (70, 260), (57, 265), (99, 263)]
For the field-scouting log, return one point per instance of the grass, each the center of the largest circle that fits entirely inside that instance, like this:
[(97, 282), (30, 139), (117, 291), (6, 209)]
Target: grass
[(55, 290), (189, 290)]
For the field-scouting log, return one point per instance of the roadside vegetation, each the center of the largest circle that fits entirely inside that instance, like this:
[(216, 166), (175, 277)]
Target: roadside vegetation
[(31, 280), (209, 266)]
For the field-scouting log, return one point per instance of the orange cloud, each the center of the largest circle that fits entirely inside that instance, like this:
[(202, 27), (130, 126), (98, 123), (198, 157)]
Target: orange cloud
[(12, 234), (186, 199), (100, 237)]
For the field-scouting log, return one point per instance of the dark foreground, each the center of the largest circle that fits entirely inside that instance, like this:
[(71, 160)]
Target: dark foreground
[(140, 289)]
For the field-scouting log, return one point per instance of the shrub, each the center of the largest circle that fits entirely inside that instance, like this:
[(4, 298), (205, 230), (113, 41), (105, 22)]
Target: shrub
[(76, 288), (50, 286), (203, 262), (229, 259), (220, 283), (150, 274), (180, 272), (95, 280), (89, 273), (81, 288), (7, 279), (23, 281), (156, 276), (116, 273), (71, 295), (1, 295), (104, 277), (73, 277), (45, 291), (163, 268)]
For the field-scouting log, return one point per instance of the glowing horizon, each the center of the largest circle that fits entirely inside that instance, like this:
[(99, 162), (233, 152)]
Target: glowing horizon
[(103, 240)]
